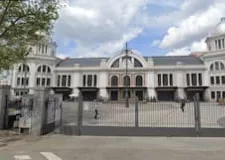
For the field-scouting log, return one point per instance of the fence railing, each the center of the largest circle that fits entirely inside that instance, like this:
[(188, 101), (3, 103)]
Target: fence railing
[(194, 116)]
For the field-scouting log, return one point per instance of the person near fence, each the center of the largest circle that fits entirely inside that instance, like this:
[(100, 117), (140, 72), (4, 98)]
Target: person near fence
[(182, 105), (96, 109)]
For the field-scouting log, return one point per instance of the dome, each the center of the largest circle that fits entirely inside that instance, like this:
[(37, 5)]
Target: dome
[(220, 28)]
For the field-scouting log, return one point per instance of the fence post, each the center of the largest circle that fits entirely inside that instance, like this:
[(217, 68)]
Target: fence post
[(197, 114), (136, 112), (80, 114)]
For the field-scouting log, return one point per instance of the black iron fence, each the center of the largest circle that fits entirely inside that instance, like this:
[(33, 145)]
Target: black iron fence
[(149, 119)]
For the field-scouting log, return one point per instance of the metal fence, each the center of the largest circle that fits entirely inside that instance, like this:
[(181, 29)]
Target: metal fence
[(149, 119)]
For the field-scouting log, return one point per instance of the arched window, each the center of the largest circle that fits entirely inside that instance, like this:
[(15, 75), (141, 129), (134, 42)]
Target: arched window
[(217, 66), (43, 78), (126, 81), (139, 81), (44, 69), (39, 69), (114, 81), (137, 63), (49, 70), (222, 66), (116, 64), (24, 68), (212, 67)]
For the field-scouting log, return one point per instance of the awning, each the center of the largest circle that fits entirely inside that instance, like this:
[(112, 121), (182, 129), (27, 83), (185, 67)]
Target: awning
[(93, 89), (168, 88), (117, 87), (196, 88)]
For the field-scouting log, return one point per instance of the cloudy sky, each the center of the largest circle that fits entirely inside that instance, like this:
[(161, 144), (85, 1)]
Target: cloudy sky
[(152, 27)]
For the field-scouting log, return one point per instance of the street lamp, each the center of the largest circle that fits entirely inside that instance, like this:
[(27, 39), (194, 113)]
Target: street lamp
[(126, 78), (25, 67)]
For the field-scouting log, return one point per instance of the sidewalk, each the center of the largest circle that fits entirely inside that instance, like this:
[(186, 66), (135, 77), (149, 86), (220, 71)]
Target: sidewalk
[(7, 136)]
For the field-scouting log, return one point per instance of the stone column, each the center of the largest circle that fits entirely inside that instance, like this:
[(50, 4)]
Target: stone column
[(102, 81), (4, 99), (150, 84), (76, 82), (38, 112), (32, 78)]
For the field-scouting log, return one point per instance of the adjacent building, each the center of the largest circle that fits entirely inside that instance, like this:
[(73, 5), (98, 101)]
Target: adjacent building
[(165, 78)]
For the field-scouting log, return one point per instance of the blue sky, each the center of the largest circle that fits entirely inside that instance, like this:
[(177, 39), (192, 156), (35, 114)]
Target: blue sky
[(152, 27)]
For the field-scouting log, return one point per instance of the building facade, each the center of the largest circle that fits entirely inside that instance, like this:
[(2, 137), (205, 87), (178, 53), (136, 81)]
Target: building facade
[(165, 78)]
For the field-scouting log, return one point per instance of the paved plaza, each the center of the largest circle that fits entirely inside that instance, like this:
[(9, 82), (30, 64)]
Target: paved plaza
[(159, 114)]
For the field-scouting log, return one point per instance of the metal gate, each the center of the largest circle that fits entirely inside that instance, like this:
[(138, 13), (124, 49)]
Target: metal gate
[(150, 119), (52, 115)]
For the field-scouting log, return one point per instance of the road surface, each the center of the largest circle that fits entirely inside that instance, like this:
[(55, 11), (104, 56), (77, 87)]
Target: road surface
[(59, 147)]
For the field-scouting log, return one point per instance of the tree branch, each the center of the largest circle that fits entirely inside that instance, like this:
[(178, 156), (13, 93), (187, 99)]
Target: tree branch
[(4, 13)]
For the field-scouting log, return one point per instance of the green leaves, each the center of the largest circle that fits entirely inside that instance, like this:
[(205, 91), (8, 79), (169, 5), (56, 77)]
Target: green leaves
[(19, 22)]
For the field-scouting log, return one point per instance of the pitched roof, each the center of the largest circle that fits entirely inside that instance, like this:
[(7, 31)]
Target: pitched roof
[(83, 62), (158, 61), (173, 60)]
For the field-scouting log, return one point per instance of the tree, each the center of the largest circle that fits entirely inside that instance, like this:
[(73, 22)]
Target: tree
[(20, 23)]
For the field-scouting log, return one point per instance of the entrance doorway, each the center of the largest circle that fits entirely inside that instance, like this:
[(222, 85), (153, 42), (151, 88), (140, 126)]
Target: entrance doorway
[(139, 95), (165, 95), (114, 95), (89, 95)]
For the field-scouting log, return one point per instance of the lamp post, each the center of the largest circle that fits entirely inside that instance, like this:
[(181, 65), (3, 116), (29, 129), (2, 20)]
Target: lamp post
[(126, 79), (25, 68)]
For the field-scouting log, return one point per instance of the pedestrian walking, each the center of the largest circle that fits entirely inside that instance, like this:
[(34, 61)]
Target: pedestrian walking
[(182, 105), (96, 109)]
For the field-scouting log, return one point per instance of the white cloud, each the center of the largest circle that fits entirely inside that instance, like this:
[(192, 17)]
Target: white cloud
[(179, 52), (99, 27), (196, 46), (194, 27)]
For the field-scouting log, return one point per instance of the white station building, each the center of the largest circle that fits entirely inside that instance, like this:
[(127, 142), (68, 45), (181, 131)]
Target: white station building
[(166, 78)]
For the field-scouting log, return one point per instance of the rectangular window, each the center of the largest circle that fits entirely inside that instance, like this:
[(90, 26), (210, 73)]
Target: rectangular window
[(64, 77), (17, 93), (212, 80), (39, 48), (223, 94), (200, 79), (89, 81), (46, 49), (159, 79), (216, 44), (38, 82), (43, 48), (69, 80), (223, 43), (218, 95), (95, 80), (22, 81), (84, 80), (194, 79), (223, 79), (219, 44), (217, 80), (27, 81), (171, 79), (165, 80), (58, 80), (43, 82), (213, 95), (188, 79), (18, 81), (48, 81)]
